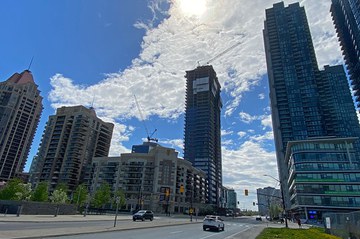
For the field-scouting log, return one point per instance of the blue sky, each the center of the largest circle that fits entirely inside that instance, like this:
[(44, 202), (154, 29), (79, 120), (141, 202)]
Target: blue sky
[(106, 51)]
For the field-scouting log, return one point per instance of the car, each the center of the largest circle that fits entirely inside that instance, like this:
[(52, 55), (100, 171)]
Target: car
[(258, 218), (213, 222), (143, 215)]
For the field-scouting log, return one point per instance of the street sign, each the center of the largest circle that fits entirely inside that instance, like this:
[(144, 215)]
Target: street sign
[(328, 222)]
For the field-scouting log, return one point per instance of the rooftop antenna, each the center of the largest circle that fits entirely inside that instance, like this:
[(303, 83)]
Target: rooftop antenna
[(92, 102), (32, 58)]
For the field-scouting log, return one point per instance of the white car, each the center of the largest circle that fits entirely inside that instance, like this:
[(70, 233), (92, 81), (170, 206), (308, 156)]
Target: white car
[(213, 222)]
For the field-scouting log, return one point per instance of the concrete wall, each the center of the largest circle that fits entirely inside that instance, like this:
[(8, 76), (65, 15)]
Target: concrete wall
[(36, 208)]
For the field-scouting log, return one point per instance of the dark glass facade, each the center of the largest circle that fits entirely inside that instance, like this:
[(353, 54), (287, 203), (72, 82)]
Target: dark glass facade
[(306, 103), (324, 176), (346, 18), (292, 72), (202, 142)]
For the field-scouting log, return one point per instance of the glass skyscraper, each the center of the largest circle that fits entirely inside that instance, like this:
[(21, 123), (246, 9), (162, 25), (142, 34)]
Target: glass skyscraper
[(346, 18), (307, 104), (202, 143)]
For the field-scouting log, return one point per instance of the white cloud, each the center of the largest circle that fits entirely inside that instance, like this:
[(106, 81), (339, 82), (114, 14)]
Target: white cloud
[(177, 143), (177, 44), (244, 167), (267, 136), (241, 134), (247, 118), (261, 96), (228, 142), (266, 121), (226, 132)]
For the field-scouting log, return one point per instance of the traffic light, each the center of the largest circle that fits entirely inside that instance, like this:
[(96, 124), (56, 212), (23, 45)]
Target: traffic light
[(246, 192), (182, 188)]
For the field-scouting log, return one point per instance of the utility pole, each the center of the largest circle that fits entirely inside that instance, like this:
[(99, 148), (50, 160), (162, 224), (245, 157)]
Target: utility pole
[(191, 199)]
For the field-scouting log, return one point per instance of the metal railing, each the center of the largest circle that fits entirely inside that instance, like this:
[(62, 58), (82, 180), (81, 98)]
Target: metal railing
[(344, 225)]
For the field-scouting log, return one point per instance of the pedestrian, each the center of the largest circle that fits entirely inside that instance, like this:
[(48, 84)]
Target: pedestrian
[(298, 222)]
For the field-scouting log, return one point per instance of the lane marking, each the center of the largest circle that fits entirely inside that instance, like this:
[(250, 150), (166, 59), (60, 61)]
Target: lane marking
[(176, 232), (232, 236), (209, 236)]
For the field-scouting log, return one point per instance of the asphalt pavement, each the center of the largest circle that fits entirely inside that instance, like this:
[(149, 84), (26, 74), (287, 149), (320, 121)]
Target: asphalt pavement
[(123, 222)]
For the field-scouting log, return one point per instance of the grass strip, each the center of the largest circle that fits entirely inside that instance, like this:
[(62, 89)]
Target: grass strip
[(287, 233)]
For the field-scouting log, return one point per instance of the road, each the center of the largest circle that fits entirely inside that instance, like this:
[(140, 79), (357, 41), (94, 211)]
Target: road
[(234, 229), (8, 226)]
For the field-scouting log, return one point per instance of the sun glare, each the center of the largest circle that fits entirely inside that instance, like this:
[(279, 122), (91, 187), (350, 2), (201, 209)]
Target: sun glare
[(192, 7)]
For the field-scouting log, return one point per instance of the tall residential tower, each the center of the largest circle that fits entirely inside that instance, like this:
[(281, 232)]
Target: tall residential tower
[(202, 143), (70, 140), (346, 18), (314, 121), (20, 111)]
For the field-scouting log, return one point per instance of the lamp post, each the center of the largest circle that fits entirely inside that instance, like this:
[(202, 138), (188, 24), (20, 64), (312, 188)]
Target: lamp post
[(117, 200), (282, 196)]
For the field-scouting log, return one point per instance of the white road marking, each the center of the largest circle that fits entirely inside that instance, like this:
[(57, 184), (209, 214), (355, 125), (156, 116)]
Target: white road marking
[(176, 232), (231, 236), (209, 236)]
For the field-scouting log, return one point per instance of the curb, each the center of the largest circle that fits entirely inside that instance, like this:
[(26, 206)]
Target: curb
[(107, 230)]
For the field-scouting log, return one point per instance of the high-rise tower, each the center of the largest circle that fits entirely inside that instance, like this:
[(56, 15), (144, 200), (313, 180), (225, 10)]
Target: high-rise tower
[(346, 18), (70, 140), (20, 111), (314, 121), (202, 143)]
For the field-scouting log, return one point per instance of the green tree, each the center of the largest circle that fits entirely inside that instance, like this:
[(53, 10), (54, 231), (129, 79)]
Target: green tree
[(25, 192), (58, 196), (275, 210), (121, 195), (80, 194), (102, 195), (61, 186), (41, 192), (11, 188)]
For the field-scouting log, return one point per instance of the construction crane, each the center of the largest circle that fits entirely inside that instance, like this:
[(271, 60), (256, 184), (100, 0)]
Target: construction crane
[(149, 136), (222, 53)]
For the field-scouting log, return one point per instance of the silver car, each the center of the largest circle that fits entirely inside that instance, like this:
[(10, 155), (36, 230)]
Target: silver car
[(213, 222)]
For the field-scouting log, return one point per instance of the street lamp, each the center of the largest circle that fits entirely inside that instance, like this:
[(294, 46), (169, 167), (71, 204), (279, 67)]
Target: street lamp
[(282, 196), (117, 200)]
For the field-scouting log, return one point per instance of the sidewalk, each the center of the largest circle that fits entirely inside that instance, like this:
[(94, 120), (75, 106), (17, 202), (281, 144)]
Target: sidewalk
[(291, 225), (61, 218), (124, 222)]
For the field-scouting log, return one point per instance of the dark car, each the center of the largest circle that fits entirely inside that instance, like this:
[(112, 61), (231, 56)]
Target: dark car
[(143, 214)]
